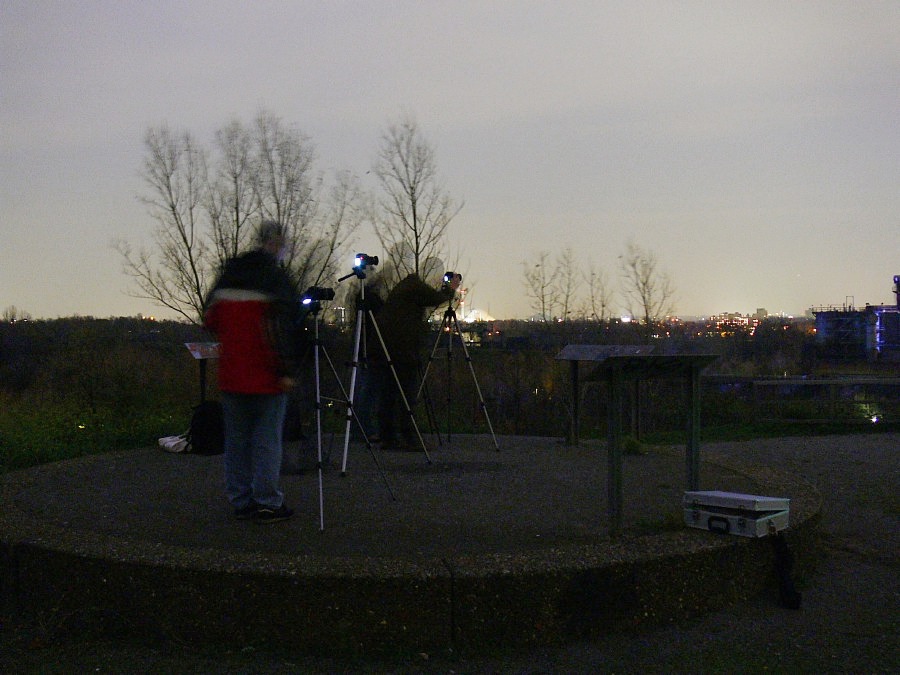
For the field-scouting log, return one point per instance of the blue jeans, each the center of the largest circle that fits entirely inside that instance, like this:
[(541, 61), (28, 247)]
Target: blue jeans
[(253, 429)]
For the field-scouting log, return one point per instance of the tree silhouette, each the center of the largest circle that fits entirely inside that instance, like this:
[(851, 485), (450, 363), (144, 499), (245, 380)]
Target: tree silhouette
[(413, 213), (647, 291), (206, 202), (541, 284)]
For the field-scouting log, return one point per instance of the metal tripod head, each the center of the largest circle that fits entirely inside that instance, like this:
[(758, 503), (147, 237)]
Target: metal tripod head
[(450, 312)]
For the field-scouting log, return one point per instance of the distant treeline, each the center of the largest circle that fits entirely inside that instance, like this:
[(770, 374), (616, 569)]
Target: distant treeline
[(81, 354)]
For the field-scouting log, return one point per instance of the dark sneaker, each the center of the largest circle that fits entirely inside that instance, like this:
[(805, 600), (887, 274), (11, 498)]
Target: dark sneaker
[(266, 514), (247, 512)]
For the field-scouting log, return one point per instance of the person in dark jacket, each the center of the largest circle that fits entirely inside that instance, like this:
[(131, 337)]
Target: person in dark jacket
[(403, 325), (253, 311)]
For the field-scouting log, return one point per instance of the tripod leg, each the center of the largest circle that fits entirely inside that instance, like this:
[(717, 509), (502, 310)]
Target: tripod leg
[(345, 399), (319, 428), (359, 322), (409, 411), (431, 358), (484, 409), (422, 393), (425, 397), (447, 315), (359, 424), (351, 414)]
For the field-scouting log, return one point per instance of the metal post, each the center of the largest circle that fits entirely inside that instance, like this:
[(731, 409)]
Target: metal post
[(202, 380), (692, 453), (614, 450), (576, 408)]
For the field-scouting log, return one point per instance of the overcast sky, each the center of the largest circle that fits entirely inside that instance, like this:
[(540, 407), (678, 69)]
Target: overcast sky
[(754, 147)]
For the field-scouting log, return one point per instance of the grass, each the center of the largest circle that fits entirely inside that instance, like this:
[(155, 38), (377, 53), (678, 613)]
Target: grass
[(31, 435), (771, 429), (35, 434)]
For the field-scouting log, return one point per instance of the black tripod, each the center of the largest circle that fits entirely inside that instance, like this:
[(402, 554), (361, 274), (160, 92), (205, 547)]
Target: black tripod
[(362, 312), (450, 327)]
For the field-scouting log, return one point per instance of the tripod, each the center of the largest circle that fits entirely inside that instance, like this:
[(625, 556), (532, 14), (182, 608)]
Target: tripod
[(450, 326), (363, 311), (318, 347)]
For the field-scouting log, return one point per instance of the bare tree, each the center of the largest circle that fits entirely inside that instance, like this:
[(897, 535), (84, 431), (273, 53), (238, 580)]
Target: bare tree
[(568, 282), (283, 177), (318, 219), (232, 197), (540, 284), (413, 213), (204, 209), (599, 293), (177, 276), (648, 292), (340, 211)]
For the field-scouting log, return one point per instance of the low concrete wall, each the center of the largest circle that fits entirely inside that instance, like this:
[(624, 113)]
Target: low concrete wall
[(467, 605), (391, 606)]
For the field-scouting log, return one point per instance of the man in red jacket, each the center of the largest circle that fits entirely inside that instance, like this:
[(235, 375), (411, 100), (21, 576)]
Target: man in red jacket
[(253, 313)]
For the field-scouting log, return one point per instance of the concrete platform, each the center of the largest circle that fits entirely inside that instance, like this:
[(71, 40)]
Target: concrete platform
[(477, 549)]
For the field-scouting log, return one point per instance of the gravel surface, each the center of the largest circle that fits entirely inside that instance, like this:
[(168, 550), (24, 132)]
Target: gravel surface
[(849, 621)]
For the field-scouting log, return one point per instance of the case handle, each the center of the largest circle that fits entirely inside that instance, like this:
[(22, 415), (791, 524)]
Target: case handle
[(718, 524)]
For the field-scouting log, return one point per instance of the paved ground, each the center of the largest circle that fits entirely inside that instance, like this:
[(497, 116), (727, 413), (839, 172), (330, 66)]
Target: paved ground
[(849, 621), (470, 499)]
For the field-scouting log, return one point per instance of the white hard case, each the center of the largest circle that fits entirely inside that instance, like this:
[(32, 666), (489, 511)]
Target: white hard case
[(735, 513)]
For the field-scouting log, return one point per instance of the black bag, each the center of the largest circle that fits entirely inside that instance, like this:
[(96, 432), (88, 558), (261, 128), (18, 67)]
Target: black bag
[(206, 435)]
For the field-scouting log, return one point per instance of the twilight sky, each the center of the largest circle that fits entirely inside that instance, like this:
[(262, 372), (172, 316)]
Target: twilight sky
[(754, 147)]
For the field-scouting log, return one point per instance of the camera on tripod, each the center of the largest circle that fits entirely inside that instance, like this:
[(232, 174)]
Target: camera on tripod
[(362, 260), (314, 296), (317, 294)]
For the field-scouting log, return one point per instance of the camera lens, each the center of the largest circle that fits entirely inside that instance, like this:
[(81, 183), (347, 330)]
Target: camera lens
[(362, 259)]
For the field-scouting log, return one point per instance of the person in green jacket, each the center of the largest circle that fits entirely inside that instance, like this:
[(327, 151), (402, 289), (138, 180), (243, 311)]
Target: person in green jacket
[(403, 324)]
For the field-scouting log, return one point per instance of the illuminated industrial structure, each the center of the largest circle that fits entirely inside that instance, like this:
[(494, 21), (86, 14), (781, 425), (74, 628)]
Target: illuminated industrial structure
[(871, 332)]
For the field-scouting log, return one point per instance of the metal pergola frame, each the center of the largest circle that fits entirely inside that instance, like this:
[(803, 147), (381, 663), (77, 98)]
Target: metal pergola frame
[(618, 365)]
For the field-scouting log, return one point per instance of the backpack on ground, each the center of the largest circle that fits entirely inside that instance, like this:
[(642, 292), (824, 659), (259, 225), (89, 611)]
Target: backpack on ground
[(206, 435)]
